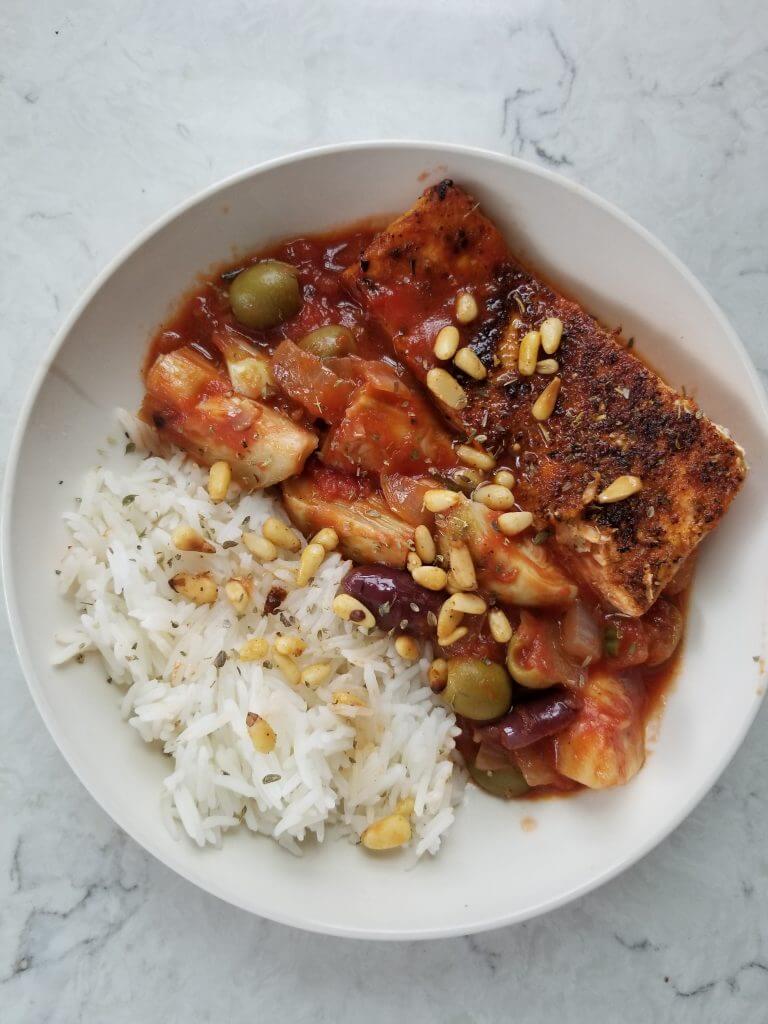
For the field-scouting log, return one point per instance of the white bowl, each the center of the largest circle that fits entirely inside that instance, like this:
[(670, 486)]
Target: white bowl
[(491, 871)]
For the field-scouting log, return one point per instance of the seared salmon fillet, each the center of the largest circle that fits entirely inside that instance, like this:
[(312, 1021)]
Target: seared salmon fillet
[(613, 417)]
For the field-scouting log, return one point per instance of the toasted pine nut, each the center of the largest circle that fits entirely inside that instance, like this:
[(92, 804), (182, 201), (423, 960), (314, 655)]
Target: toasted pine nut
[(621, 488), (551, 332), (466, 307), (529, 353), (547, 366), (468, 604), (446, 342), (237, 595), (316, 675), (291, 646), (446, 388), (327, 537), (345, 697), (425, 545), (288, 667), (437, 674), (219, 479), (468, 361), (311, 559), (495, 496), (462, 567), (281, 535), (184, 538), (452, 638), (500, 626), (387, 833), (504, 478), (512, 523), (199, 589), (263, 736), (405, 806), (254, 650), (413, 561), (430, 576), (261, 548), (407, 648), (352, 610), (448, 619), (545, 404), (440, 500), (475, 457)]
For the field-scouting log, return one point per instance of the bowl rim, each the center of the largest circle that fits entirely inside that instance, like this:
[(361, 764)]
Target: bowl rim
[(69, 751)]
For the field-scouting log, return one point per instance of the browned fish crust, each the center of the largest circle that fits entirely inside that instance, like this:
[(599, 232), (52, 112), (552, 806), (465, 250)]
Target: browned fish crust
[(614, 416)]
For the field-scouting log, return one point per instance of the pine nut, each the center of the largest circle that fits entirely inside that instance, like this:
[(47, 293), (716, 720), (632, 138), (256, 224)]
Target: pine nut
[(219, 479), (500, 626), (352, 610), (255, 649), (440, 500), (413, 561), (468, 361), (463, 574), (529, 353), (547, 366), (437, 674), (551, 332), (430, 576), (475, 457), (504, 478), (448, 619), (446, 388), (407, 648), (387, 833), (545, 404), (452, 638), (316, 675), (466, 307), (345, 697), (281, 535), (425, 545), (291, 646), (288, 667), (328, 538), (468, 604), (311, 559), (261, 548), (512, 523), (495, 497), (263, 736), (184, 538), (199, 589), (237, 595), (446, 342), (621, 488)]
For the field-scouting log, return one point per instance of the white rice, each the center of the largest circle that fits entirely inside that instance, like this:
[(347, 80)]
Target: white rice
[(332, 766)]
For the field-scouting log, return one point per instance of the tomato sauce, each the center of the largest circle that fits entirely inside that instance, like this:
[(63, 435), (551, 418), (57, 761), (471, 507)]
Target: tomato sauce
[(320, 261)]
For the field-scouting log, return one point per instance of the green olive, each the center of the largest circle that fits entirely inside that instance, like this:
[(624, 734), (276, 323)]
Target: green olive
[(504, 782), (334, 340), (477, 689), (265, 294), (533, 678)]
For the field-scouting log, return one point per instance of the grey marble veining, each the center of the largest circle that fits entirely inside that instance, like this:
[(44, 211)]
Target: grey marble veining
[(111, 113)]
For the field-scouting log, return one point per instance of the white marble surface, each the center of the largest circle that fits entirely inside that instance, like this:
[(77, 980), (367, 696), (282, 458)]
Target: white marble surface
[(110, 113)]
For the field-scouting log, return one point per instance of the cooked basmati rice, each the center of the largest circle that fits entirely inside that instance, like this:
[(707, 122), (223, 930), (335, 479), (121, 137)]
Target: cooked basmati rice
[(338, 766)]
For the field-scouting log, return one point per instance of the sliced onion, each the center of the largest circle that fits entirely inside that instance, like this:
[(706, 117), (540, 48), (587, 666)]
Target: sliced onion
[(405, 496), (581, 634)]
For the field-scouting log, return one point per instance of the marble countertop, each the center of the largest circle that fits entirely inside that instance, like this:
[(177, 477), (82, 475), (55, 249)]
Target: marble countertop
[(111, 113)]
